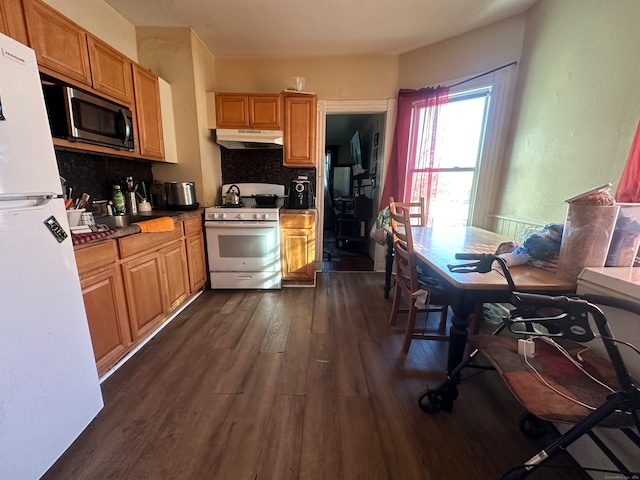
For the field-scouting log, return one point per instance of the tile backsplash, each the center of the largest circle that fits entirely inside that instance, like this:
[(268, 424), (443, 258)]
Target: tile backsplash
[(259, 166), (95, 174)]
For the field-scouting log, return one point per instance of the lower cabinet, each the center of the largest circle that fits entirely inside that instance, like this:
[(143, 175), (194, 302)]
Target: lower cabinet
[(144, 289), (297, 245), (194, 243), (131, 285), (104, 302), (175, 274)]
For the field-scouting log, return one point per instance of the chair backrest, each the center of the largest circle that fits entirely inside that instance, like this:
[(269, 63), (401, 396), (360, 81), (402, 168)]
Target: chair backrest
[(403, 244), (416, 210)]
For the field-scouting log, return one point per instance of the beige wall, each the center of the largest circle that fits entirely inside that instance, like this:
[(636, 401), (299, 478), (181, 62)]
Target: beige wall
[(576, 107), (472, 53), (101, 20), (372, 77), (178, 56)]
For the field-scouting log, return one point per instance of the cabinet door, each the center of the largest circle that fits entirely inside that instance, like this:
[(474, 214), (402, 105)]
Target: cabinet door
[(232, 110), (144, 291), (149, 120), (300, 130), (265, 112), (106, 308), (110, 70), (60, 44), (195, 261), (298, 254), (175, 274), (12, 20)]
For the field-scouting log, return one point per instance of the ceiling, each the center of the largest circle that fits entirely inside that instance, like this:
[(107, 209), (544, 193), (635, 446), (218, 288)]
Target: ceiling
[(285, 28)]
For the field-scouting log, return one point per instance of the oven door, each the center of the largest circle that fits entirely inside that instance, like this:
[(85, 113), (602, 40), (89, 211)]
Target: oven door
[(244, 254), (243, 246)]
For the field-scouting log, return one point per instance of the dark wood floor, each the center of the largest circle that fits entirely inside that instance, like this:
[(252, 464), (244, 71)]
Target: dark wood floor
[(295, 384)]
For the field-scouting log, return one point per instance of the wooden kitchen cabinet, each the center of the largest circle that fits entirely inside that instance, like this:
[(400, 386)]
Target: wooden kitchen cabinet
[(194, 243), (110, 70), (59, 43), (148, 116), (12, 21), (256, 111), (175, 274), (297, 245), (104, 301), (300, 112), (144, 288)]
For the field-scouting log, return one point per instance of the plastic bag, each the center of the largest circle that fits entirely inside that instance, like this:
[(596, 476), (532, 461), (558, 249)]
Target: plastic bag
[(377, 233)]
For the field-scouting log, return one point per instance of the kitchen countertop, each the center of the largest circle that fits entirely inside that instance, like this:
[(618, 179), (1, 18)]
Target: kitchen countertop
[(176, 215), (297, 210)]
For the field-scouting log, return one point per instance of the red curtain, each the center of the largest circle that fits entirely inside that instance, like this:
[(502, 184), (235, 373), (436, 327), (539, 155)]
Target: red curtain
[(415, 124), (629, 187)]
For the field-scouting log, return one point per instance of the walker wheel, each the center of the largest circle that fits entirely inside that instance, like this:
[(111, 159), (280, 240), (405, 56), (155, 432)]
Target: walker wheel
[(531, 426), (435, 401)]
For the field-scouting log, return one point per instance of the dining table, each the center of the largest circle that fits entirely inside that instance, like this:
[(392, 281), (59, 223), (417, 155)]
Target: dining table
[(436, 249)]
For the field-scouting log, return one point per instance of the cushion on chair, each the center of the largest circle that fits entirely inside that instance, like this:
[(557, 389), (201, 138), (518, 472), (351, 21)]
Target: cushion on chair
[(558, 371)]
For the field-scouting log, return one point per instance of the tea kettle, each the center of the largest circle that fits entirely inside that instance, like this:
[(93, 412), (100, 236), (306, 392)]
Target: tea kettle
[(232, 197)]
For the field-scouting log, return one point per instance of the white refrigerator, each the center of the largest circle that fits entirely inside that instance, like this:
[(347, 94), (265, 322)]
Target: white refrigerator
[(49, 388)]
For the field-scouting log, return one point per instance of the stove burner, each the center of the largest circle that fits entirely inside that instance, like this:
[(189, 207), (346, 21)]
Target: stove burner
[(240, 205)]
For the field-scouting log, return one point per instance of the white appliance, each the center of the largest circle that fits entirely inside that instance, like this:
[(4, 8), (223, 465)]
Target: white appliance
[(618, 282), (49, 388), (241, 139), (243, 241)]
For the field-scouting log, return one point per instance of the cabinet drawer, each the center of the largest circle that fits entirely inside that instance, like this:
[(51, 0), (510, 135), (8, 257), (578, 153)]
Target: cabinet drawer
[(91, 257), (143, 242), (193, 225), (297, 220)]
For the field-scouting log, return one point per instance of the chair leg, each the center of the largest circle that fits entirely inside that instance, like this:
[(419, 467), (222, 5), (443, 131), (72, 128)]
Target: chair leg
[(411, 325), (442, 328), (396, 305)]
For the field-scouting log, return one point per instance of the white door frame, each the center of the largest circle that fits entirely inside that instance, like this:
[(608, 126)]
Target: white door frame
[(350, 107)]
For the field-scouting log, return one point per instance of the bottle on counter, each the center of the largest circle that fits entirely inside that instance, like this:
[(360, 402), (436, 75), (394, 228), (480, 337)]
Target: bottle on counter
[(119, 207)]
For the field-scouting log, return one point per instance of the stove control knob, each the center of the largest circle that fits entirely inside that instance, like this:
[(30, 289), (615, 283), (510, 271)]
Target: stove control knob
[(266, 216), (241, 216), (223, 216), (257, 216)]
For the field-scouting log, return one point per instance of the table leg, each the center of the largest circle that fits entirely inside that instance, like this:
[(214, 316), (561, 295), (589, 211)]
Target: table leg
[(388, 266), (458, 334)]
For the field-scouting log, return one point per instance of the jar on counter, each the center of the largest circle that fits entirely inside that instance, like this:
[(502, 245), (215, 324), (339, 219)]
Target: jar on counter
[(119, 207)]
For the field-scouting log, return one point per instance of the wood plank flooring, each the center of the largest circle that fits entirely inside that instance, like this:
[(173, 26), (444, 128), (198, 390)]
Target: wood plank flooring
[(295, 384)]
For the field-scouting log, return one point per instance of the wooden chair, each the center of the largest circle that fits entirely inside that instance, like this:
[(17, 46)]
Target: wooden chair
[(416, 210), (408, 281)]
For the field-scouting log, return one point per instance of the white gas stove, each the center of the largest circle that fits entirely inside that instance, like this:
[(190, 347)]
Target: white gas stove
[(243, 241)]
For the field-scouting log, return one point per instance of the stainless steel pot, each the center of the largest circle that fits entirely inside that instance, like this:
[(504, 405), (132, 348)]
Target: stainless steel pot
[(180, 194)]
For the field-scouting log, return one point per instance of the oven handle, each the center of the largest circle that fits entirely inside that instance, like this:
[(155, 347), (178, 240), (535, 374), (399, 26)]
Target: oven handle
[(262, 225)]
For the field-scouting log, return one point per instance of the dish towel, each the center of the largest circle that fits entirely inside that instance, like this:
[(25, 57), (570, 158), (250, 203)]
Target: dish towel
[(629, 186), (162, 224)]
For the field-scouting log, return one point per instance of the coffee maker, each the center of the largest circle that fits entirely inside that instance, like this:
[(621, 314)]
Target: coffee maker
[(300, 194)]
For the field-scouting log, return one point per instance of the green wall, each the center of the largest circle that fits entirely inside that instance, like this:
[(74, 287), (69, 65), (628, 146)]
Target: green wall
[(576, 107)]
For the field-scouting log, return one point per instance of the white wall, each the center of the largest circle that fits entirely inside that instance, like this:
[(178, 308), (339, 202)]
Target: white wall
[(178, 55)]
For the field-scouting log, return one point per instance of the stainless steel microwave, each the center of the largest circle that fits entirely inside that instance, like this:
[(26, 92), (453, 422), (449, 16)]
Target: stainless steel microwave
[(79, 116)]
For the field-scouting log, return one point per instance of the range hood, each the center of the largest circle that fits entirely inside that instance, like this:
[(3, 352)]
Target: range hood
[(249, 139)]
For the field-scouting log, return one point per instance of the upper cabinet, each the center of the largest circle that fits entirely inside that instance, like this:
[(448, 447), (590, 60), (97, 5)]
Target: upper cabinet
[(257, 111), (66, 51), (300, 130), (110, 70), (148, 117), (12, 20), (60, 44)]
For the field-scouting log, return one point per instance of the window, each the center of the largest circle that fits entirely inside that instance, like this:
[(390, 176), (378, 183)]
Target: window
[(460, 183)]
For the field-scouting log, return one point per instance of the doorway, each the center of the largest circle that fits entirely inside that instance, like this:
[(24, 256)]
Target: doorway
[(352, 153), (385, 112)]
